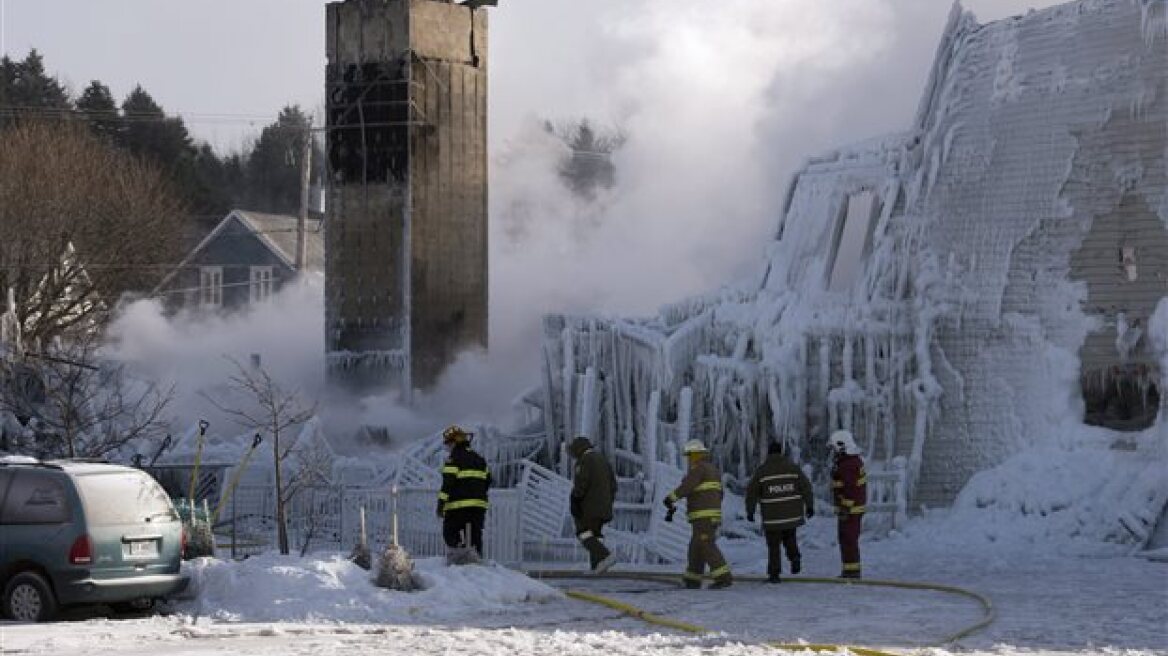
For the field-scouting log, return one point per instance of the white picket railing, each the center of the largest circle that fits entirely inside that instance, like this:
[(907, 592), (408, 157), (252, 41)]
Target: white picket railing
[(526, 524), (668, 540)]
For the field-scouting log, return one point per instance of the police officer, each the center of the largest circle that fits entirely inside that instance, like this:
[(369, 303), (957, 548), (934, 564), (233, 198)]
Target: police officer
[(462, 502), (849, 490), (702, 490), (785, 495), (593, 493)]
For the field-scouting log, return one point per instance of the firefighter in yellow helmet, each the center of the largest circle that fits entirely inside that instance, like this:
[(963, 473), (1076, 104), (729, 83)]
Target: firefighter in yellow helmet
[(702, 490), (462, 502)]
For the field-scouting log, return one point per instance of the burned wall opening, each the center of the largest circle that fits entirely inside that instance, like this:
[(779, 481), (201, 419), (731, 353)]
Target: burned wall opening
[(1124, 398), (369, 115)]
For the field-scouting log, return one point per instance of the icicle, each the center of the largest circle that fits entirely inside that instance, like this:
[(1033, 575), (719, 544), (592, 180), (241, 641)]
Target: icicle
[(1153, 21), (848, 359), (652, 427), (607, 425), (825, 381), (684, 415), (569, 382), (587, 417), (871, 393)]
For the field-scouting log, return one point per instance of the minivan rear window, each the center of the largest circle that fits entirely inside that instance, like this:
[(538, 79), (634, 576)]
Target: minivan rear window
[(124, 498)]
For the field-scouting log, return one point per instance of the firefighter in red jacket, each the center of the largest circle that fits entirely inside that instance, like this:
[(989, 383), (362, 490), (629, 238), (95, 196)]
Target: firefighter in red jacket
[(849, 490)]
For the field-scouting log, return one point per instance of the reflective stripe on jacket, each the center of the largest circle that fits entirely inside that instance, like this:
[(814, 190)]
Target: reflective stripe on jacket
[(702, 490), (849, 485), (465, 480), (782, 490)]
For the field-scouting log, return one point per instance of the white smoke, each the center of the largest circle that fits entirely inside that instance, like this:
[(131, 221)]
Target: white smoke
[(721, 102)]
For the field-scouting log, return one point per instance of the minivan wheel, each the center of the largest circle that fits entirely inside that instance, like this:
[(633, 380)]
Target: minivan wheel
[(28, 598)]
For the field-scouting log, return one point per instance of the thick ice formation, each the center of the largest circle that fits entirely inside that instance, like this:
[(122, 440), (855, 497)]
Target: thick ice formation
[(942, 292)]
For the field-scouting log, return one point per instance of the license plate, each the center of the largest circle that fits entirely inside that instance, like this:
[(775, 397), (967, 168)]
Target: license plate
[(143, 549)]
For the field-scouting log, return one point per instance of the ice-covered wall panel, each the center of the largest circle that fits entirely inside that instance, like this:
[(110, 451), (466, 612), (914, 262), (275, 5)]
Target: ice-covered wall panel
[(1060, 116), (1039, 146)]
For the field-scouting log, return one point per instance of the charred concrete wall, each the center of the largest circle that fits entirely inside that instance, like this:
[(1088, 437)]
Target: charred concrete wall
[(406, 268)]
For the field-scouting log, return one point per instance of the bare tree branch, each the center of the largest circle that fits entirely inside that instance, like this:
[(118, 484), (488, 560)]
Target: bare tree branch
[(80, 406), (276, 410), (82, 222)]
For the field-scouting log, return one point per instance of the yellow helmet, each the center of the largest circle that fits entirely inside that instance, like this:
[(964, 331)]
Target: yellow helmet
[(455, 435)]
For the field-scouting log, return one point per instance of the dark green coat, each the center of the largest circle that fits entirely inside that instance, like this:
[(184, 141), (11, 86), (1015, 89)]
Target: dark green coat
[(593, 484), (782, 490)]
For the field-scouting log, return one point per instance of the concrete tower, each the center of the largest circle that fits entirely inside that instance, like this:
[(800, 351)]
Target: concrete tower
[(406, 239)]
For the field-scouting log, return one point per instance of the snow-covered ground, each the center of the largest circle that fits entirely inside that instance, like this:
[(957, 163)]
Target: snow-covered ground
[(1049, 600)]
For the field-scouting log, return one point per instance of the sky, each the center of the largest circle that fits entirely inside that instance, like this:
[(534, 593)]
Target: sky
[(721, 102), (230, 65)]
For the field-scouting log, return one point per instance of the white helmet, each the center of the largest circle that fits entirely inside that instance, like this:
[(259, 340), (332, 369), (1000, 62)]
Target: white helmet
[(842, 441), (695, 446)]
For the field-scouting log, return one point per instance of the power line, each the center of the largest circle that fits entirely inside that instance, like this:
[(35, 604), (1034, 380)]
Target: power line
[(76, 114)]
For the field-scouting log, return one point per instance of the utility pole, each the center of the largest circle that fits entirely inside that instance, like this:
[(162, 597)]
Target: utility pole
[(302, 221)]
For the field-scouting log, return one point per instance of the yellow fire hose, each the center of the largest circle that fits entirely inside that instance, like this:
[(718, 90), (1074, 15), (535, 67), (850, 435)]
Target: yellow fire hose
[(655, 577)]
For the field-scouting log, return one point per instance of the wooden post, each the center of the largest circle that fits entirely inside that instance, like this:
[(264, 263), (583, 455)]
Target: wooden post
[(393, 496), (364, 535), (302, 220)]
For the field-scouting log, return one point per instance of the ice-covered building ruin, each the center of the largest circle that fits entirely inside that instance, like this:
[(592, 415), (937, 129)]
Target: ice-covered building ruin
[(990, 279), (951, 293)]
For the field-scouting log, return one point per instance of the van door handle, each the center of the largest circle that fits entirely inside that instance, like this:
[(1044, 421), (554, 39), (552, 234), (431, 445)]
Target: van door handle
[(139, 538)]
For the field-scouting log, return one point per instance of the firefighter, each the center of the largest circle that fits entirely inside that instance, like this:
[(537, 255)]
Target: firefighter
[(785, 495), (593, 493), (702, 490), (462, 502), (849, 490)]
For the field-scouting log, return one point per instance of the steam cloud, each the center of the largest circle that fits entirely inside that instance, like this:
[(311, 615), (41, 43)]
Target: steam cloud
[(721, 102)]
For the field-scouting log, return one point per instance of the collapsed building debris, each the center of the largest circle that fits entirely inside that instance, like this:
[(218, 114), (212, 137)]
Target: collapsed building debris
[(951, 294)]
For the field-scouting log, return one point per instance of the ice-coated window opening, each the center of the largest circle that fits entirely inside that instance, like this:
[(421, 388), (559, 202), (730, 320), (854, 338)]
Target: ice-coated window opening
[(853, 240)]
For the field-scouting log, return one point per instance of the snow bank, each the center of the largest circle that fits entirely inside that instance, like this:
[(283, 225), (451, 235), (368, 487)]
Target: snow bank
[(1091, 490), (272, 588)]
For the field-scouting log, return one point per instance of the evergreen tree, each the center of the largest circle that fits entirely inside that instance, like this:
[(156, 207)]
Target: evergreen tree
[(273, 166), (26, 90), (194, 169), (98, 106), (151, 134), (215, 190), (588, 169)]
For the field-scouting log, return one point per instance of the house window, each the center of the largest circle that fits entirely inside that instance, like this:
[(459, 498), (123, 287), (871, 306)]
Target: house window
[(211, 286), (853, 239), (261, 283)]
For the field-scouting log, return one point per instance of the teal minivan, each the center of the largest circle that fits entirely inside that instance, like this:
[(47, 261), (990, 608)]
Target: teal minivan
[(74, 533)]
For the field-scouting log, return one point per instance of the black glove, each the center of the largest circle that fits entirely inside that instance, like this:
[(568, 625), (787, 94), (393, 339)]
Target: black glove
[(669, 514), (668, 503), (810, 512), (439, 509), (750, 517), (575, 507)]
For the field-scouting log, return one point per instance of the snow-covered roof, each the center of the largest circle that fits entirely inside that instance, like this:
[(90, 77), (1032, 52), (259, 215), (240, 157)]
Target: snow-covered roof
[(279, 232), (276, 231)]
